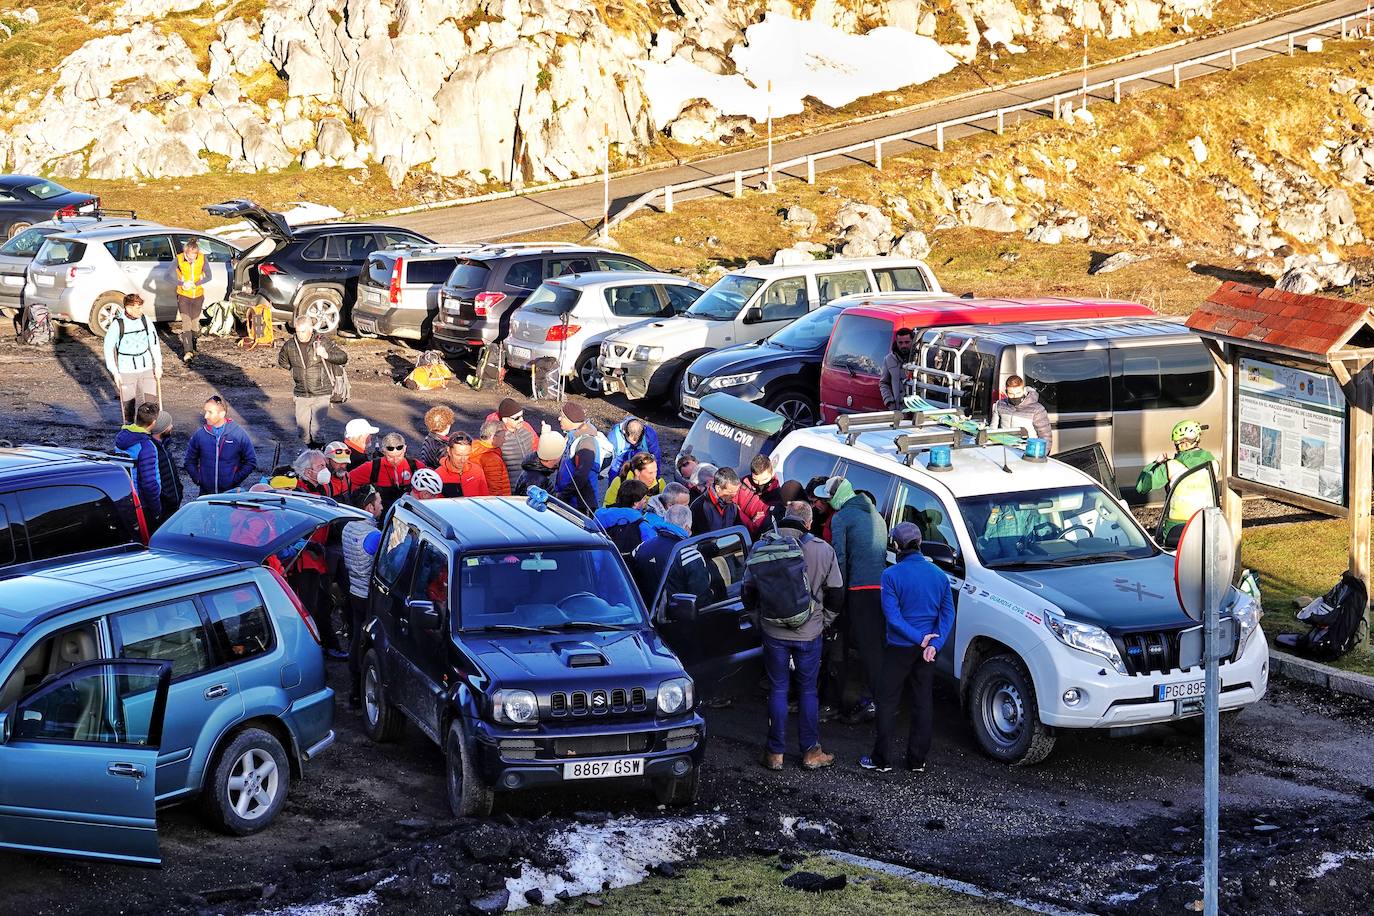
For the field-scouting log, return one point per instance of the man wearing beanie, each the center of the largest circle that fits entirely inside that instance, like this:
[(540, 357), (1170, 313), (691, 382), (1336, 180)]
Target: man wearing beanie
[(919, 613), (172, 490), (786, 648), (538, 468), (517, 439)]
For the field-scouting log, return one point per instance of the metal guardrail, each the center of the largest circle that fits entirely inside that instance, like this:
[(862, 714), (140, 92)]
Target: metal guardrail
[(999, 115)]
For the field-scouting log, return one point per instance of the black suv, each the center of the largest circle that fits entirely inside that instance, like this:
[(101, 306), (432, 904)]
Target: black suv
[(58, 502), (487, 286), (510, 632), (305, 270)]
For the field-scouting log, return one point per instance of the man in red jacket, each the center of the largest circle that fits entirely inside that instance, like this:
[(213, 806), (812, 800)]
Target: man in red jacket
[(391, 473), (461, 475)]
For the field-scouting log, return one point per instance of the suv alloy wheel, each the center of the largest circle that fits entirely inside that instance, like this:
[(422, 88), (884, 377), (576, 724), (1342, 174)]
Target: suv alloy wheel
[(325, 306), (383, 721), (249, 783), (468, 795)]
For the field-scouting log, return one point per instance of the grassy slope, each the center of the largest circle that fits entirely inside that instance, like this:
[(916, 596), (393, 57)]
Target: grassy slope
[(27, 58), (754, 886), (1272, 106)]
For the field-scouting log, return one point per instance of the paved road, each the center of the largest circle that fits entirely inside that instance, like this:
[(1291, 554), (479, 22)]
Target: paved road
[(583, 204)]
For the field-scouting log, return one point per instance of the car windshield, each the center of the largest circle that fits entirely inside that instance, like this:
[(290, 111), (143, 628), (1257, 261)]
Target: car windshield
[(725, 298), (26, 243), (45, 189), (712, 440), (546, 590), (809, 332), (551, 299), (1059, 527)]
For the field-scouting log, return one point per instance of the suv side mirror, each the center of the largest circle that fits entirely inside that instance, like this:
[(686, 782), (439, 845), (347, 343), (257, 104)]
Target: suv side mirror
[(425, 611), (752, 315), (682, 608), (942, 555), (4, 727)]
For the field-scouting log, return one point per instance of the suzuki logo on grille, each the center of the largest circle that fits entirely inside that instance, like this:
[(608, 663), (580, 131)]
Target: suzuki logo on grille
[(599, 699)]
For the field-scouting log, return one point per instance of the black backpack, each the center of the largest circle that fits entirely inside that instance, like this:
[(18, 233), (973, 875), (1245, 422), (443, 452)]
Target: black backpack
[(1337, 621), (626, 536), (778, 569)]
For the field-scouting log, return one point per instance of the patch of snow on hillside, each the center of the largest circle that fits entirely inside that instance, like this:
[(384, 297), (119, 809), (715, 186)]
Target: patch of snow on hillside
[(801, 59)]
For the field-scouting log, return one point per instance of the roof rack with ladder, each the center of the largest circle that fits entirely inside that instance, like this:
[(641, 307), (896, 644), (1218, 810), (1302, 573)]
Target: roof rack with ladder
[(930, 426), (938, 369)]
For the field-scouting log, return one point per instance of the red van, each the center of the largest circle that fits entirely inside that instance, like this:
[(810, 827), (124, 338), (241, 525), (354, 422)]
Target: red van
[(863, 335)]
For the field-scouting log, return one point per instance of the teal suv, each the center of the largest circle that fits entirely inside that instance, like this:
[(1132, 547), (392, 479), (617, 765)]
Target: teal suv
[(132, 678)]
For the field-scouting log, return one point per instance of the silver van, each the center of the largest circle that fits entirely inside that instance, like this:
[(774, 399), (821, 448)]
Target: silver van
[(398, 290), (1121, 383)]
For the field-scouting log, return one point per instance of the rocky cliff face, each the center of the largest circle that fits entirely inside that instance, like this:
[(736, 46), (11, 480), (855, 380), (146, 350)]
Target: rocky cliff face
[(486, 90)]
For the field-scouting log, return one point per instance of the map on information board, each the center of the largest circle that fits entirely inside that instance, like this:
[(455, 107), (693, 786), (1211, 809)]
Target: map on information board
[(1292, 430)]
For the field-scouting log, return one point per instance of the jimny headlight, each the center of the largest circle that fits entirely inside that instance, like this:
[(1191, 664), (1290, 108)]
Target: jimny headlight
[(648, 354), (518, 707), (733, 381), (675, 696), (1085, 638)]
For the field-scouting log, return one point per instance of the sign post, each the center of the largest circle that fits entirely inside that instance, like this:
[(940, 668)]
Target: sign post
[(1203, 570), (606, 182)]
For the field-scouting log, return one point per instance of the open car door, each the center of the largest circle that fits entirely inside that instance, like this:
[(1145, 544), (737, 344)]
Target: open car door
[(78, 763), (1193, 490), (1093, 461), (249, 527), (697, 608)]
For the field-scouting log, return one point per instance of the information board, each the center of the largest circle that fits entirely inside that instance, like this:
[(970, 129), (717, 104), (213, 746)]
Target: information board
[(1292, 430)]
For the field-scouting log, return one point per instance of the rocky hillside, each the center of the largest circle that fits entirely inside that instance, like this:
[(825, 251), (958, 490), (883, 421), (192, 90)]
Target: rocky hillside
[(481, 90)]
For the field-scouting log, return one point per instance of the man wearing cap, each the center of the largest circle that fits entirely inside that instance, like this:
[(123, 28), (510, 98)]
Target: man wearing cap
[(337, 458), (799, 648), (918, 614), (171, 494), (391, 473), (538, 469), (517, 439), (358, 435), (859, 536)]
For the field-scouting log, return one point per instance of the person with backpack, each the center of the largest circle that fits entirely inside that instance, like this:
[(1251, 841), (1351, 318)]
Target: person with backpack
[(627, 524), (220, 456), (628, 438), (538, 469), (650, 558), (191, 276), (311, 359), (587, 459), (168, 478), (517, 439), (918, 613), (133, 356), (792, 586), (389, 474), (135, 440)]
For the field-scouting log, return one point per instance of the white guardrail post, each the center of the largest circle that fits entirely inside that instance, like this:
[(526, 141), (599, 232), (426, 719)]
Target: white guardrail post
[(1176, 80), (739, 183), (810, 169), (668, 199), (1116, 91), (1001, 122), (878, 155), (940, 137)]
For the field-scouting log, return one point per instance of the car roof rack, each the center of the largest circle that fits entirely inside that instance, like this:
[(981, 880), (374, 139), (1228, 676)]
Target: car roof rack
[(930, 426), (411, 504)]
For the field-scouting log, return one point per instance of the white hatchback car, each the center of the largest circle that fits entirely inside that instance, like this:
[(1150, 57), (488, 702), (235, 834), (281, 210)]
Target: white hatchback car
[(567, 318), (83, 276)]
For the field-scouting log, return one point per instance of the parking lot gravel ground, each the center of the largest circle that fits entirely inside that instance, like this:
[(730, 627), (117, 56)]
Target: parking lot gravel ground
[(1106, 825)]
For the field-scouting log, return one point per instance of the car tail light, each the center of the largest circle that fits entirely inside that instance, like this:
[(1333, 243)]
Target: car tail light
[(485, 302), (267, 270), (395, 292), (562, 332), (138, 512), (89, 206), (300, 608)]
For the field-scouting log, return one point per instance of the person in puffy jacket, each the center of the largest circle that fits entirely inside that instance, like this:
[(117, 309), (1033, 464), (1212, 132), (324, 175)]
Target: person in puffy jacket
[(628, 438), (859, 536), (310, 357), (1020, 408), (438, 425), (627, 524), (892, 384), (517, 439), (539, 469), (136, 441), (487, 456), (220, 456)]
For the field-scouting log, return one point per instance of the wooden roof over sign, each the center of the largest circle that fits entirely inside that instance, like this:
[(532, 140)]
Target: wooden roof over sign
[(1313, 327)]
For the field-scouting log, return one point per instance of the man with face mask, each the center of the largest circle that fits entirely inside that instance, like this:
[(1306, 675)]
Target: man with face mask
[(1020, 408), (892, 384)]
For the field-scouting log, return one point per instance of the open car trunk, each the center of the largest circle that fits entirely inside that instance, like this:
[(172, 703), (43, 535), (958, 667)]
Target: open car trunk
[(249, 527), (276, 235)]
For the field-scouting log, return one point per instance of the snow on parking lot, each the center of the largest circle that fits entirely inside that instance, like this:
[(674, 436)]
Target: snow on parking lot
[(801, 59)]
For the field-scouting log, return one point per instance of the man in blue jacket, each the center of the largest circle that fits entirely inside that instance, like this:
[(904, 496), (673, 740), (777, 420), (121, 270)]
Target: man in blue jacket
[(859, 536), (919, 613), (627, 524), (220, 455), (629, 437), (136, 441)]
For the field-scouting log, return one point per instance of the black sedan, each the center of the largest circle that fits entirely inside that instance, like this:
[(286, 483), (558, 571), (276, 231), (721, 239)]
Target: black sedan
[(25, 200), (782, 372)]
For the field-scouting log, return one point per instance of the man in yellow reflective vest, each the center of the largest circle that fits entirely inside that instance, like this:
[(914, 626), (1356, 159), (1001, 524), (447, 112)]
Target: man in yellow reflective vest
[(191, 276), (1193, 493)]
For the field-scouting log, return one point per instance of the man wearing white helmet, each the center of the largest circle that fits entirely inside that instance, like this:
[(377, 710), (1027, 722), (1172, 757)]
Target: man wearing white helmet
[(1195, 491), (426, 484)]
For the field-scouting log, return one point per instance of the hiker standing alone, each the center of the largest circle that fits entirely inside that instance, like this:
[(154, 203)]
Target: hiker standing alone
[(191, 277), (133, 355), (309, 357)]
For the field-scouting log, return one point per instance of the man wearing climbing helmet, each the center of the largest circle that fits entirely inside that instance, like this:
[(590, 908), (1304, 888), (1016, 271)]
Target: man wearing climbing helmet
[(1195, 491)]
